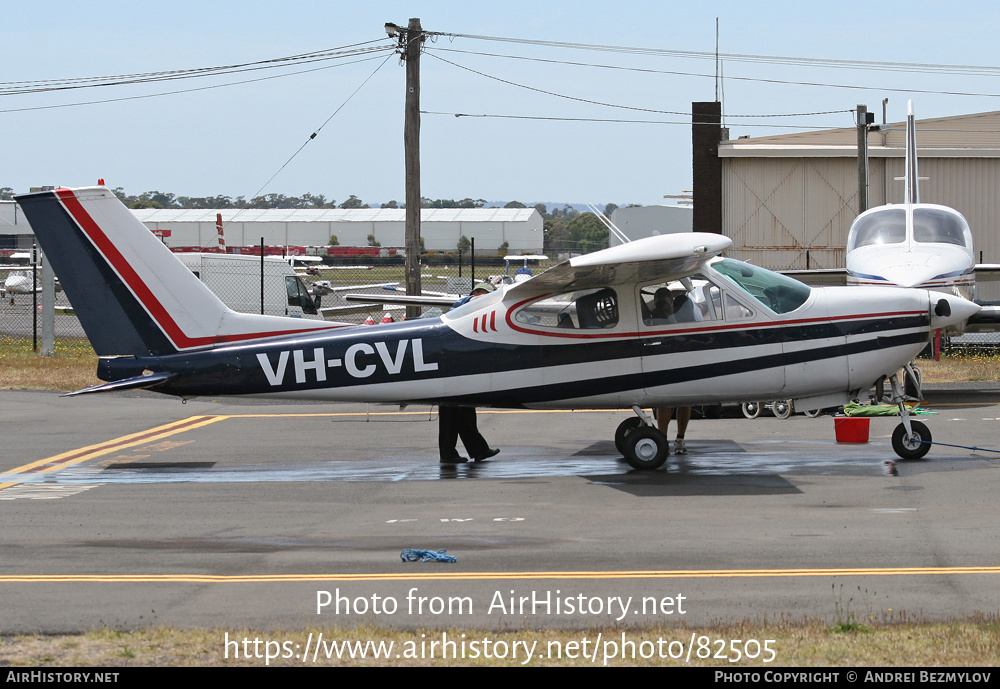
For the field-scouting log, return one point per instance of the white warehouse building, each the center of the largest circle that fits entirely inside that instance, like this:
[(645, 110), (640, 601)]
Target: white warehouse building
[(441, 228)]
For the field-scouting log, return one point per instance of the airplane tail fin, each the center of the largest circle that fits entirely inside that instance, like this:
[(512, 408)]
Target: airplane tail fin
[(131, 293), (911, 183)]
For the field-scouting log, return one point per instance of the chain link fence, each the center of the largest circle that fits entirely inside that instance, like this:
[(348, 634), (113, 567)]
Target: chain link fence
[(21, 311), (285, 291)]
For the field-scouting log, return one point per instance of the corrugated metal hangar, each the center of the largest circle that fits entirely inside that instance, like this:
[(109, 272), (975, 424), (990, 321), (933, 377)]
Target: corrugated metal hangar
[(441, 228), (791, 196)]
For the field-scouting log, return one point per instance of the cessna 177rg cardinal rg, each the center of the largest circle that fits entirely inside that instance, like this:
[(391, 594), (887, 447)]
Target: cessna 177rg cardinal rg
[(663, 321)]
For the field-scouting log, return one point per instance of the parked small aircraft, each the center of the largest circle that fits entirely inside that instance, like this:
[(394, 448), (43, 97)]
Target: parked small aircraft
[(913, 244), (663, 321), (20, 282)]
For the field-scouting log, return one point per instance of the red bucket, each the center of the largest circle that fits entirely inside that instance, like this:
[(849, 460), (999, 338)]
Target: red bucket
[(852, 429)]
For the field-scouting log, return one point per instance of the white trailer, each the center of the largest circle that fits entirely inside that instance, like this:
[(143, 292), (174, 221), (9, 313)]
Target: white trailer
[(236, 280)]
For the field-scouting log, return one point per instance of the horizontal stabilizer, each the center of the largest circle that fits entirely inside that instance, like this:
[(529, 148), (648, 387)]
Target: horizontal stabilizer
[(142, 382)]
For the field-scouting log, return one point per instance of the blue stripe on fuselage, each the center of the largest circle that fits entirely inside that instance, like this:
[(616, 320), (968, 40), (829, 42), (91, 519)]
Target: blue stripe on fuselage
[(428, 350)]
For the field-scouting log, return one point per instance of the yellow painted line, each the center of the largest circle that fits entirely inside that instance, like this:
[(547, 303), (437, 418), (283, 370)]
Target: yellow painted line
[(83, 454), (79, 455), (486, 576), (963, 404)]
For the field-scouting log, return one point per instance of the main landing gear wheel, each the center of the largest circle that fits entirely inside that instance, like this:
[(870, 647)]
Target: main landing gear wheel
[(813, 413), (624, 428), (646, 448), (912, 446), (752, 410), (783, 408)]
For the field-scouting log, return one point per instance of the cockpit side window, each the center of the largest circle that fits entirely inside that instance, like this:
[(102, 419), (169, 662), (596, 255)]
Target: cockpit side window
[(884, 227), (689, 300), (939, 226), (694, 299), (779, 293), (585, 309)]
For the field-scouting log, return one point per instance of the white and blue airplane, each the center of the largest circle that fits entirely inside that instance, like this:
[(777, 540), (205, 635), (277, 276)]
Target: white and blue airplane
[(913, 244), (663, 321)]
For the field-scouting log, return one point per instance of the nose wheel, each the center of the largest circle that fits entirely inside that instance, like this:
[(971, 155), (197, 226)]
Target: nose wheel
[(911, 439), (912, 445)]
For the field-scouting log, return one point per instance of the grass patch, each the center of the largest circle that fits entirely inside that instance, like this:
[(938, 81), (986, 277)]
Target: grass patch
[(961, 367), (972, 643), (73, 365)]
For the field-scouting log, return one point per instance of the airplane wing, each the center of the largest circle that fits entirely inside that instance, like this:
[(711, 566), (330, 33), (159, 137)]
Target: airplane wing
[(326, 288), (643, 260), (818, 277), (987, 272), (987, 320)]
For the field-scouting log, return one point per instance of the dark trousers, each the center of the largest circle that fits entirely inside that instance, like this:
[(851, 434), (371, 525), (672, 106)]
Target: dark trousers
[(455, 422)]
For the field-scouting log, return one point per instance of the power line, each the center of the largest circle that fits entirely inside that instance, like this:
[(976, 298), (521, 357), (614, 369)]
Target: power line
[(190, 90), (980, 70), (686, 123), (557, 95), (318, 130), (783, 82), (47, 85)]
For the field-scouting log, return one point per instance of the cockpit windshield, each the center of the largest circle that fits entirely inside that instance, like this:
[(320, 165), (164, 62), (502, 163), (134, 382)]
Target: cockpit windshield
[(884, 227), (940, 226), (777, 292)]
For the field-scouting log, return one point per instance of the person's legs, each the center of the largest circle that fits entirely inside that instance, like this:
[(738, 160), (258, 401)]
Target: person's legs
[(683, 417), (663, 415), (475, 443), (448, 429)]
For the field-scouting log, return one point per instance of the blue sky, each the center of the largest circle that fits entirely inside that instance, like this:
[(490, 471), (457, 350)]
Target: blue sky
[(230, 140)]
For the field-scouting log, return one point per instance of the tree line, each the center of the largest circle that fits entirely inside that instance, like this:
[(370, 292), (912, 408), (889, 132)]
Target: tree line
[(565, 229)]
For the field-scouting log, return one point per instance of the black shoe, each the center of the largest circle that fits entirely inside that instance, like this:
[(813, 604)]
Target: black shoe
[(457, 459), (490, 452)]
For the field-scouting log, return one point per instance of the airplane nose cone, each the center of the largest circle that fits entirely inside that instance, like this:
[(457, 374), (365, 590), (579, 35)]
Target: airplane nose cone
[(907, 275), (947, 310)]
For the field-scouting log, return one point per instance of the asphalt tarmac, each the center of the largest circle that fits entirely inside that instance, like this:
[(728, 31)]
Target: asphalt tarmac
[(135, 510)]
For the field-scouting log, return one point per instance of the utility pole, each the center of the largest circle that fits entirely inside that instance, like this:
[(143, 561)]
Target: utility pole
[(410, 42), (865, 118)]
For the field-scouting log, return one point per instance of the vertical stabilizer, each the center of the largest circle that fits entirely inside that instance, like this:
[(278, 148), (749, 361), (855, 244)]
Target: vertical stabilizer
[(911, 185), (131, 293)]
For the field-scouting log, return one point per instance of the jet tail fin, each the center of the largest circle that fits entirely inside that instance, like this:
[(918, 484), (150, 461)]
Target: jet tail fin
[(131, 293), (911, 183)]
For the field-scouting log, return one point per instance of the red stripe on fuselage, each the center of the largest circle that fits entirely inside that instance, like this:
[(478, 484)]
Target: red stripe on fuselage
[(687, 331), (134, 282)]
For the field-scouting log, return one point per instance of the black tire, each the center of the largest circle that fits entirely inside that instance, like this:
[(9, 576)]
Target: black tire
[(646, 448), (624, 428), (751, 410), (914, 447)]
